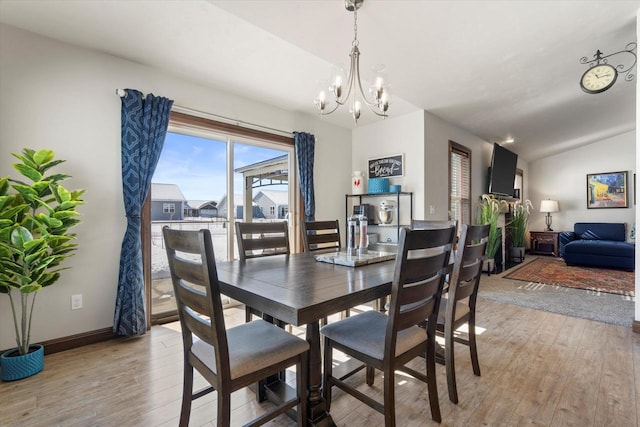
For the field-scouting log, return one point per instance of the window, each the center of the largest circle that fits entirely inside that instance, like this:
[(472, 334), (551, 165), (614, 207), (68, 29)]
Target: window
[(459, 183), (272, 210), (168, 207), (518, 185)]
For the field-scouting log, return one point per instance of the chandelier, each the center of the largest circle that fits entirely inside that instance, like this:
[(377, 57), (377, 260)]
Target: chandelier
[(338, 92)]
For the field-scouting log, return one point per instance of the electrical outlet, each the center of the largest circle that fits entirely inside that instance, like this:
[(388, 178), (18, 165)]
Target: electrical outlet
[(76, 302), (432, 209)]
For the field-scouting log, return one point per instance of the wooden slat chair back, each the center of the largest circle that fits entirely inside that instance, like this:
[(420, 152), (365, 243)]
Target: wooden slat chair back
[(258, 239), (387, 343), (424, 224), (321, 235), (228, 359), (459, 307)]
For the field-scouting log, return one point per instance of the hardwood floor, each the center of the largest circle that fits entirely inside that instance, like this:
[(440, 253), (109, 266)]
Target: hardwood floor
[(538, 368)]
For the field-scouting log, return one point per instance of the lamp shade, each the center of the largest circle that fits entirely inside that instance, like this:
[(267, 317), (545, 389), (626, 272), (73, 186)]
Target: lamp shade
[(549, 206)]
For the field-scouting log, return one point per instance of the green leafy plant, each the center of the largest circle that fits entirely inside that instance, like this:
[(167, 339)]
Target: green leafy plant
[(35, 221), (490, 209), (519, 222)]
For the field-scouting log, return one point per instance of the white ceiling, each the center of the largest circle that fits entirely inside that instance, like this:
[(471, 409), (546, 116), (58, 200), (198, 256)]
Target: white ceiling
[(496, 68)]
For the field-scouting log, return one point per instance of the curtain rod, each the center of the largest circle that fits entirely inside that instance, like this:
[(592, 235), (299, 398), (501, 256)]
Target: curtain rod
[(122, 93)]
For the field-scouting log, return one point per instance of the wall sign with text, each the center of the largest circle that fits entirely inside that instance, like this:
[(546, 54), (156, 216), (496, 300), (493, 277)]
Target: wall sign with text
[(386, 166)]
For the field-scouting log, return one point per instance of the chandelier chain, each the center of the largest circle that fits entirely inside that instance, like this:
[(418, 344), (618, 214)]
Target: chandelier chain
[(355, 29)]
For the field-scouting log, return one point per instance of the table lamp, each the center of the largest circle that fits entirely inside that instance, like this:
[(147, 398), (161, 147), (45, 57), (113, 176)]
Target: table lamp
[(549, 206)]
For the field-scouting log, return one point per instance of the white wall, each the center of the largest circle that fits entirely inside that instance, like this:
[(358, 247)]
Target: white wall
[(563, 177), (395, 135), (438, 133), (62, 97), (424, 140)]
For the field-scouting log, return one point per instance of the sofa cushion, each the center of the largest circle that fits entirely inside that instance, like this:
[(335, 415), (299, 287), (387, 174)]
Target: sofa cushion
[(601, 231), (600, 247)]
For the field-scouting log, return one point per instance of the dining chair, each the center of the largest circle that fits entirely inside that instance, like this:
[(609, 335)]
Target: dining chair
[(388, 343), (260, 239), (428, 224), (458, 306), (321, 235), (229, 359)]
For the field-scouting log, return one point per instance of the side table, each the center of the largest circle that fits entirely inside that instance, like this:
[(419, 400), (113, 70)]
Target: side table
[(544, 242)]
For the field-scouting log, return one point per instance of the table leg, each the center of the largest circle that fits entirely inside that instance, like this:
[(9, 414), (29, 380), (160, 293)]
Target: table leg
[(317, 409)]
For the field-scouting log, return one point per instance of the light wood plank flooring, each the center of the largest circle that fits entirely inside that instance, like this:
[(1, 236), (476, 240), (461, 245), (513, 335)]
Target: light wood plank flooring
[(538, 368)]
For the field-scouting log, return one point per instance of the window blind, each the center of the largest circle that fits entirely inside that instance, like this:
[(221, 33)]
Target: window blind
[(459, 183)]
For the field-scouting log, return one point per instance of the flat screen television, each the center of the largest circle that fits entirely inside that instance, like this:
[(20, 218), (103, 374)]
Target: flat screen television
[(502, 174)]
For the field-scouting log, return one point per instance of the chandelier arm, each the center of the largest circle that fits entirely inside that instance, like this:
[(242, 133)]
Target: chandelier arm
[(375, 111), (358, 82), (325, 113), (349, 85)]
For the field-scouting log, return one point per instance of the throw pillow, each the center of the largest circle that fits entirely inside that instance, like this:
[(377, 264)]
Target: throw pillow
[(589, 235)]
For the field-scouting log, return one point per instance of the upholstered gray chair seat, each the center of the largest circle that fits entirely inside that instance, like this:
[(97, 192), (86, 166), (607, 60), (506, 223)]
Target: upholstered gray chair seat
[(252, 346), (365, 333), (462, 310)]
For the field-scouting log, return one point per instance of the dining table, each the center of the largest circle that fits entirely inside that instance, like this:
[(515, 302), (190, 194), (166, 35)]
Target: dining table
[(298, 290)]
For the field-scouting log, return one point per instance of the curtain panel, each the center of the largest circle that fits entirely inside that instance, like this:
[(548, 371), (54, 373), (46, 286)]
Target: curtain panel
[(305, 149), (144, 126)]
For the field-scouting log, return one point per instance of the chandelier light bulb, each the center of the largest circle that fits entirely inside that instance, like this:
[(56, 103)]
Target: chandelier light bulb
[(355, 110), (321, 101), (383, 105), (337, 87)]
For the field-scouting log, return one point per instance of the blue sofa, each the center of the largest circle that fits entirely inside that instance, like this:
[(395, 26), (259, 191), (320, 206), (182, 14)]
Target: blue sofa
[(598, 244)]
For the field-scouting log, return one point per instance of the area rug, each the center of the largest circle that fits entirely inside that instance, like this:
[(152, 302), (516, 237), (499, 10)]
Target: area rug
[(551, 271)]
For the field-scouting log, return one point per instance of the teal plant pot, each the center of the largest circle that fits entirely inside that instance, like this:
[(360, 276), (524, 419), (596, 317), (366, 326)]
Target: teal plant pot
[(14, 366)]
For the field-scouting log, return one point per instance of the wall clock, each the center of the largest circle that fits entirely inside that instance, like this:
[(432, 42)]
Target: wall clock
[(601, 75), (599, 78)]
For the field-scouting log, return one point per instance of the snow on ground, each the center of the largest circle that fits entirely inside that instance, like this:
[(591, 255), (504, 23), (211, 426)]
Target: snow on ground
[(159, 263)]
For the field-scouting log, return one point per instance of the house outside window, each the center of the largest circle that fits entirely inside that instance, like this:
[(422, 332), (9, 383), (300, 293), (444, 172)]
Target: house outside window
[(459, 183), (168, 207)]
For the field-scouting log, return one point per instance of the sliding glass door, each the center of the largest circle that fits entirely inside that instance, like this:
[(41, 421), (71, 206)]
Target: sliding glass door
[(211, 180)]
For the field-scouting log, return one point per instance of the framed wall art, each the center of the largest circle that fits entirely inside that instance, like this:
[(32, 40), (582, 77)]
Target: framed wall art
[(608, 190), (389, 166)]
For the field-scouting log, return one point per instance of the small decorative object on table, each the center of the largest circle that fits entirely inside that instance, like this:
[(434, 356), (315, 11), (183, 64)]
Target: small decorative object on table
[(343, 258), (395, 188)]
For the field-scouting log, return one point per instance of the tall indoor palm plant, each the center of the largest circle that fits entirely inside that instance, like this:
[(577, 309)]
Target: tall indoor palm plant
[(36, 217)]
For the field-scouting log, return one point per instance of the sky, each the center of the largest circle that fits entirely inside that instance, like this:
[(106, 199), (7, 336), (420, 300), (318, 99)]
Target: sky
[(198, 165)]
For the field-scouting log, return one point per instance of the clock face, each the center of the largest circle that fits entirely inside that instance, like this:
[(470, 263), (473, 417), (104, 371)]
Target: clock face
[(599, 78)]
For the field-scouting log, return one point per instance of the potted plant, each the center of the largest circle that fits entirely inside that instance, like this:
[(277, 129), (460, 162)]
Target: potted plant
[(36, 217), (490, 209), (518, 227)]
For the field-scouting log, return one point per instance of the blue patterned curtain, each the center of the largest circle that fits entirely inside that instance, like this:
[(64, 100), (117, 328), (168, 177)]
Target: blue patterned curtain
[(305, 149), (144, 126)]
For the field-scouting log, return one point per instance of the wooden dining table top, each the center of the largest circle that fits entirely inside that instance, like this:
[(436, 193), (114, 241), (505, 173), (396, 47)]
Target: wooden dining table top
[(299, 290)]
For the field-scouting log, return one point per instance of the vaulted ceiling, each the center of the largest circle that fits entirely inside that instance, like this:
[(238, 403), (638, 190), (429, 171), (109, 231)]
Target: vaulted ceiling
[(496, 68)]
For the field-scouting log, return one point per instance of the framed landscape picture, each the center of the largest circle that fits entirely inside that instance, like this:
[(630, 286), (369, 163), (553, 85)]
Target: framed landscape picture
[(607, 190)]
